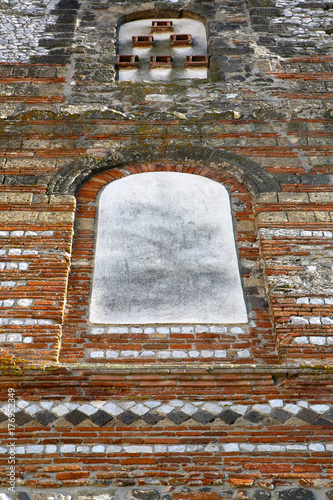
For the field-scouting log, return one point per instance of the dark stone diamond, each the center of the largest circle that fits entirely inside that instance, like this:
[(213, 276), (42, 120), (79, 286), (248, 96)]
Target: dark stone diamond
[(3, 417), (254, 416), (128, 417), (101, 418), (142, 495), (75, 417), (261, 495), (202, 416), (322, 421), (23, 496), (280, 415), (307, 415), (328, 414), (152, 418), (177, 416), (22, 418), (229, 416), (45, 417), (296, 494)]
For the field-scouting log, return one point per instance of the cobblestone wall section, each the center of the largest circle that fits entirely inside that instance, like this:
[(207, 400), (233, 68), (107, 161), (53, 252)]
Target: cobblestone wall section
[(22, 25)]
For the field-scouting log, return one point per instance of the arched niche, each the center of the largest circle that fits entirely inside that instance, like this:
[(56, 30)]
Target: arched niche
[(162, 49), (256, 179), (165, 253)]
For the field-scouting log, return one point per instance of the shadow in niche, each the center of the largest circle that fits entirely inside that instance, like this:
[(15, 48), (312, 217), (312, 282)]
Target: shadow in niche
[(58, 38)]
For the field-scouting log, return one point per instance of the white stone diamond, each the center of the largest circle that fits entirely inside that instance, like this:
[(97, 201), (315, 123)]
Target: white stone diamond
[(112, 409), (165, 409), (266, 409), (213, 408), (140, 409), (87, 409), (292, 408), (189, 409), (60, 410), (319, 408), (47, 405), (22, 403), (32, 410), (242, 409)]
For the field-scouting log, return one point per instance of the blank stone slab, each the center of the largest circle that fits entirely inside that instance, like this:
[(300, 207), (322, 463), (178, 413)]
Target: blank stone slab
[(165, 253)]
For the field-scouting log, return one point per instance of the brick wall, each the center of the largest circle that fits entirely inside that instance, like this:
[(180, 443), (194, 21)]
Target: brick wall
[(169, 412)]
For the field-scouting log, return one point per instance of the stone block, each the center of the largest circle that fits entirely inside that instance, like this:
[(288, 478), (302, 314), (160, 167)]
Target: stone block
[(296, 494), (323, 216), (261, 495), (265, 198), (278, 217), (84, 224), (64, 199), (18, 216), (56, 217), (16, 198), (301, 216), (293, 197), (139, 494), (321, 197)]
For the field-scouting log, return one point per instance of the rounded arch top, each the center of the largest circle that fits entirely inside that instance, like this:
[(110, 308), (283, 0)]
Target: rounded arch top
[(257, 180), (162, 13)]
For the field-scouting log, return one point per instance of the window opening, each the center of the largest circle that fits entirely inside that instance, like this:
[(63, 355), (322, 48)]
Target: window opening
[(162, 50)]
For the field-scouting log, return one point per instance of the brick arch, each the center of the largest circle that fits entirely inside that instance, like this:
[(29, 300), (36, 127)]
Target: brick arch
[(78, 338), (257, 180)]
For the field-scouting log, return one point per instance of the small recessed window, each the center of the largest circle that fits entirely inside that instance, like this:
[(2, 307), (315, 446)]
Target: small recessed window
[(162, 50)]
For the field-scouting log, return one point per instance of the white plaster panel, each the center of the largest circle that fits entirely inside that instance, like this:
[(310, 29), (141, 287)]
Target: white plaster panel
[(165, 252)]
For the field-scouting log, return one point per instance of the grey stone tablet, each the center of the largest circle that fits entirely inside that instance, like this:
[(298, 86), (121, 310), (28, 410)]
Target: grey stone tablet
[(165, 253)]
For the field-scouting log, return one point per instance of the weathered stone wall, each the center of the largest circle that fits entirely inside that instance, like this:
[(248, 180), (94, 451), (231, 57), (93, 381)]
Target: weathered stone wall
[(148, 412)]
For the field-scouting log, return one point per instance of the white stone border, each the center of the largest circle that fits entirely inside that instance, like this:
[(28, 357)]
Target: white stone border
[(168, 354), (213, 447), (189, 407)]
